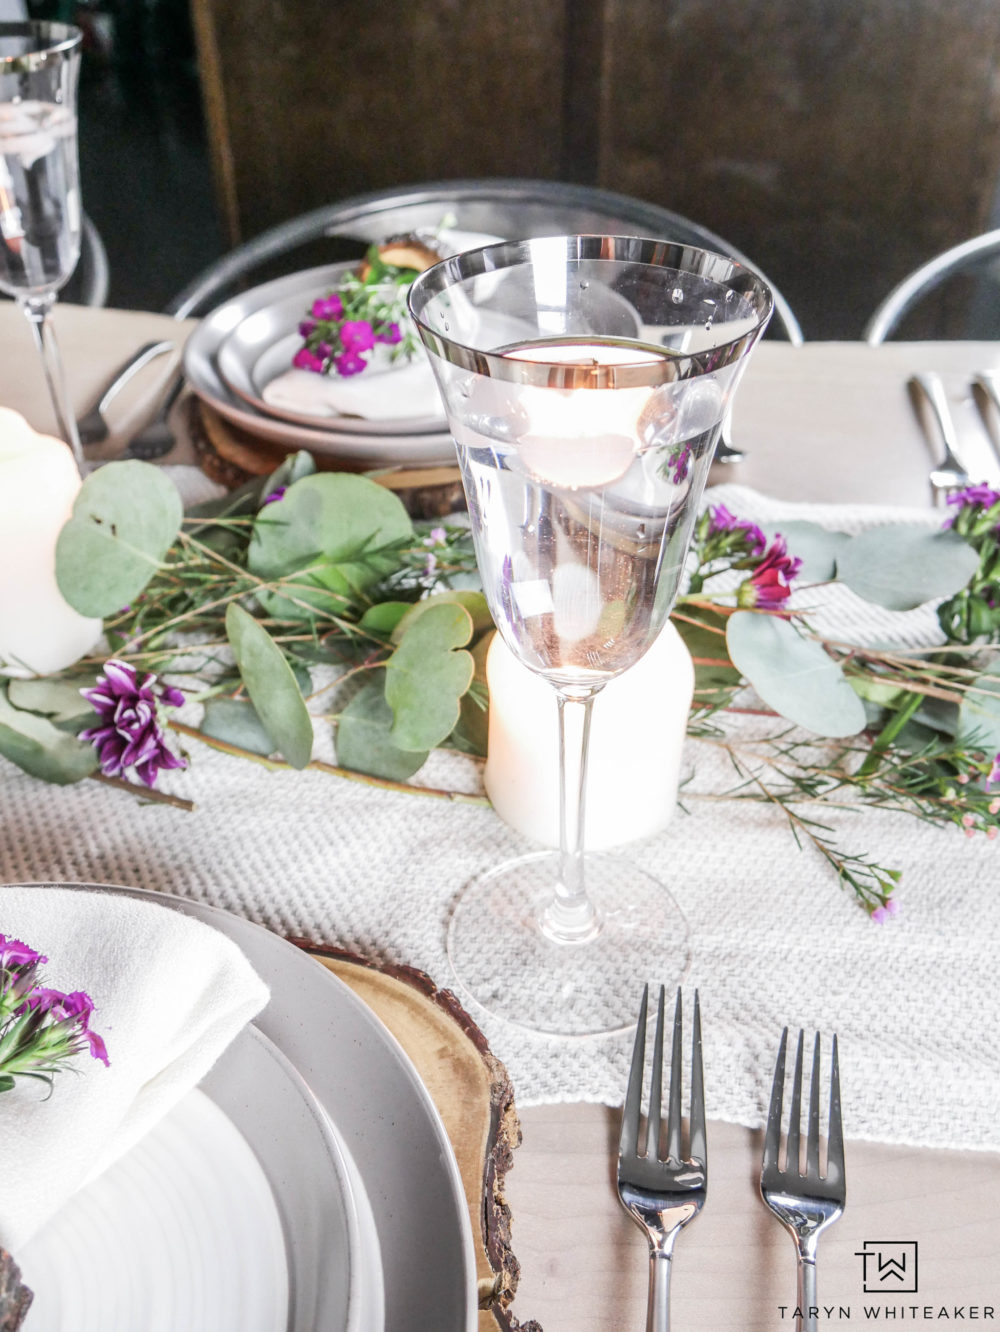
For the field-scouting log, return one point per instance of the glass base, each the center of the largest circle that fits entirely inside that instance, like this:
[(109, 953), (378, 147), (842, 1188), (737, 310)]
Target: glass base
[(503, 958)]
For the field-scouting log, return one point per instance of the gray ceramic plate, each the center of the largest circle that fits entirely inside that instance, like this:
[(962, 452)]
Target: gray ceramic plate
[(382, 1113), (261, 347), (370, 450)]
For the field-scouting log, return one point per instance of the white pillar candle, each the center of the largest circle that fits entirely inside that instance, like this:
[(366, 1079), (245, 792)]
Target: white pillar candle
[(39, 631), (636, 740)]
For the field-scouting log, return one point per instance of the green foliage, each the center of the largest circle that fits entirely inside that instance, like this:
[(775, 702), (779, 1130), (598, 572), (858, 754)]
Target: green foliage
[(427, 675), (901, 566), (794, 674), (364, 736), (41, 748), (330, 539), (271, 685), (124, 521)]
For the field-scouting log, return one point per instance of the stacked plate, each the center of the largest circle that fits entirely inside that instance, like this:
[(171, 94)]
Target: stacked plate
[(307, 1185), (239, 361)]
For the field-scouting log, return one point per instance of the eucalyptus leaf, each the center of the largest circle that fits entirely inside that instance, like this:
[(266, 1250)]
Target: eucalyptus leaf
[(235, 722), (427, 675), (271, 685), (383, 617), (714, 673), (979, 714), (291, 469), (474, 602), (124, 521), (42, 749), (472, 732), (794, 675), (59, 700), (340, 533), (903, 565), (364, 736), (817, 547)]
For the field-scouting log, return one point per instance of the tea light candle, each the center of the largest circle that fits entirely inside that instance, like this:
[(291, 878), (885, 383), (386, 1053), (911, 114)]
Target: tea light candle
[(583, 437), (39, 631), (637, 735)]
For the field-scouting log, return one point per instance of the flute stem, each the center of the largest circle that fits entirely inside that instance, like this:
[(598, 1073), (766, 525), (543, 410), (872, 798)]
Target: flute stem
[(38, 309), (570, 916)]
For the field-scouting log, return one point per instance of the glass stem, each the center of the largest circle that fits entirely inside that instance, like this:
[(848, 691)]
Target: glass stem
[(571, 917), (38, 309)]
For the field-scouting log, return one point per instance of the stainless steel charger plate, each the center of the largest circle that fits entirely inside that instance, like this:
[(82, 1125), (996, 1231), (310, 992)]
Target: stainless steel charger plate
[(373, 450), (382, 1113)]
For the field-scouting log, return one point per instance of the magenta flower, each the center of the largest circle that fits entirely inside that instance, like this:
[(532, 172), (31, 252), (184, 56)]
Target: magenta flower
[(680, 462), (357, 335), (277, 494), (307, 327), (130, 735), (391, 336), (327, 307), (721, 520), (350, 363), (994, 776), (984, 495), (40, 1028), (769, 586), (304, 359)]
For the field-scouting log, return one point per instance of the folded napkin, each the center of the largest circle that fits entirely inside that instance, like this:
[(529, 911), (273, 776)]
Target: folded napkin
[(169, 993), (380, 394)]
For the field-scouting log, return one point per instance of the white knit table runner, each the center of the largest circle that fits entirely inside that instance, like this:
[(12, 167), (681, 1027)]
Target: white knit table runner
[(775, 941)]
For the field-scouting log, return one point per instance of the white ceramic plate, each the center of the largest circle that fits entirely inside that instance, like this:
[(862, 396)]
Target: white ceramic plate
[(383, 1115), (370, 450), (237, 1212)]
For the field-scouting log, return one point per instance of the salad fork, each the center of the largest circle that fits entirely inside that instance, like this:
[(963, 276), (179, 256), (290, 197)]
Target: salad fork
[(950, 474), (805, 1204), (662, 1194)]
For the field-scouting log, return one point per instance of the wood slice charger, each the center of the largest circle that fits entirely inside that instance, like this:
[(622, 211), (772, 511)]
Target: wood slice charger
[(474, 1096)]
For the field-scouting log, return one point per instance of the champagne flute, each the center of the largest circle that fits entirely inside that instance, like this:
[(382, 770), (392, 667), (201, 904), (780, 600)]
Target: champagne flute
[(585, 380), (40, 186)]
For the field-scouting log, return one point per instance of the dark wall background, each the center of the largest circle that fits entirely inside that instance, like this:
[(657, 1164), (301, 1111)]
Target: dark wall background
[(838, 145)]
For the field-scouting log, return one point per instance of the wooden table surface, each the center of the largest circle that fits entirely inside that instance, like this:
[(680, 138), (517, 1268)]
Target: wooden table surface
[(824, 422)]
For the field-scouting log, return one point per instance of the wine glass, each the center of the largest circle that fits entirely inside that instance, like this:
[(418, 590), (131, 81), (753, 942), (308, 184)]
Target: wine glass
[(40, 185), (585, 380)]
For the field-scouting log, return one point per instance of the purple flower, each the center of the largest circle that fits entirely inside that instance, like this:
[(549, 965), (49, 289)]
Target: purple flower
[(304, 359), (994, 776), (357, 335), (886, 911), (130, 735), (307, 327), (277, 494), (721, 520), (680, 463), (15, 955), (769, 586), (59, 1025), (984, 495), (391, 336), (349, 363), (327, 307)]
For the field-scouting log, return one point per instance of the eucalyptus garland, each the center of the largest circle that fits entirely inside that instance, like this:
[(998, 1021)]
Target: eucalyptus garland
[(263, 606)]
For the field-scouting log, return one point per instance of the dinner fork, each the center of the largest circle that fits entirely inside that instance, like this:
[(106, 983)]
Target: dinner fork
[(950, 474), (662, 1194), (804, 1203)]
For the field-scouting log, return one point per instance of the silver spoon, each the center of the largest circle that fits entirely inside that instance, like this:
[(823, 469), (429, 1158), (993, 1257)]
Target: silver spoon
[(92, 427)]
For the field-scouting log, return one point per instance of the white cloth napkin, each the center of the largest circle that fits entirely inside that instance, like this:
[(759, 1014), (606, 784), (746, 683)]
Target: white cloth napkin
[(170, 994)]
